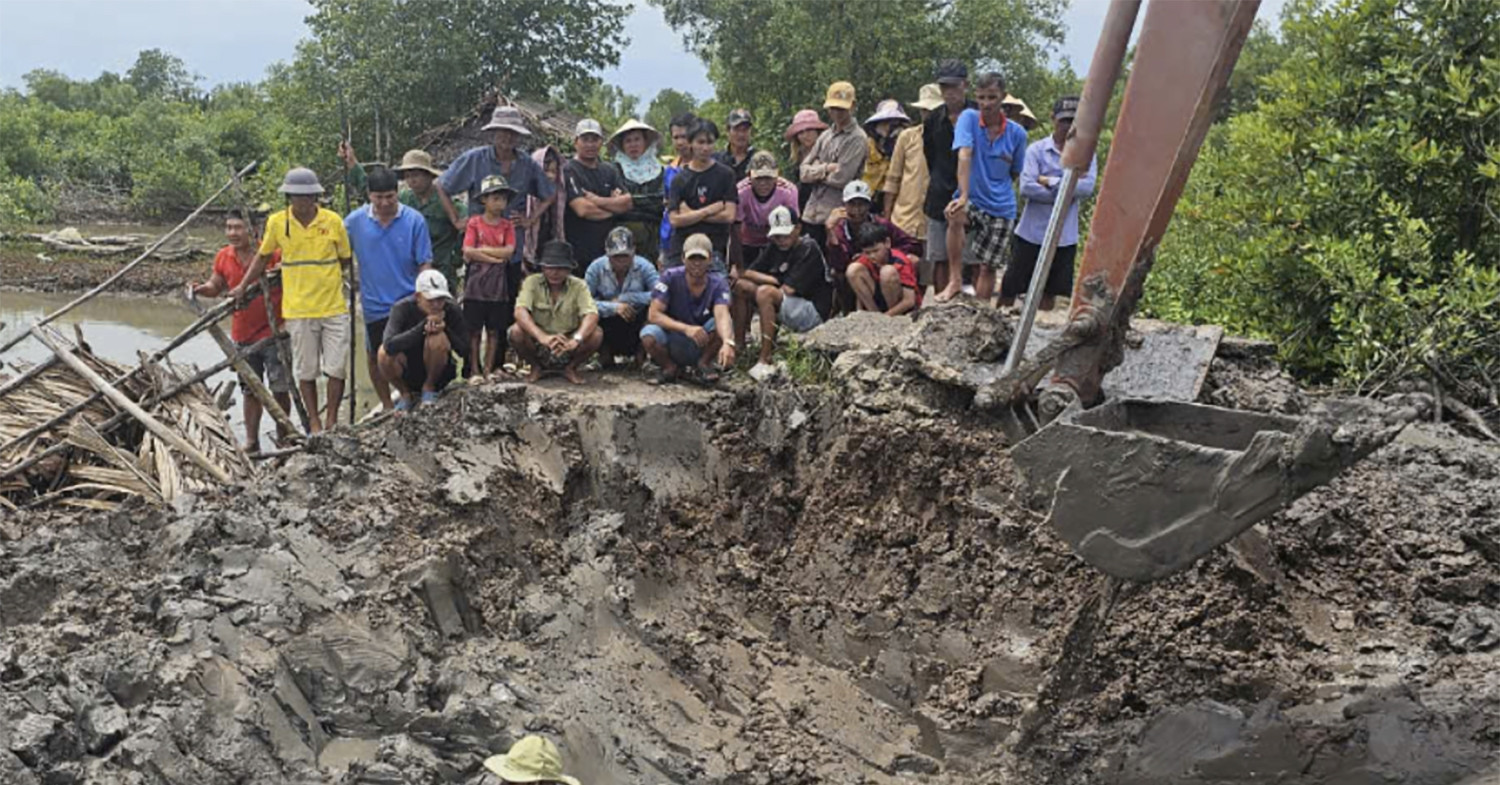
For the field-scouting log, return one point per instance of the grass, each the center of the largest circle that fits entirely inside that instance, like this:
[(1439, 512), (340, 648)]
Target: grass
[(804, 365)]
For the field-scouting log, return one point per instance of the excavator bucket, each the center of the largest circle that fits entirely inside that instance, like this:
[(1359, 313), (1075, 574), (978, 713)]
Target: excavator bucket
[(1142, 489)]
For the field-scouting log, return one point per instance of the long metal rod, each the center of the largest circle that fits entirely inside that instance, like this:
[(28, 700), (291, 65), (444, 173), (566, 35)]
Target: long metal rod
[(1043, 267), (120, 273)]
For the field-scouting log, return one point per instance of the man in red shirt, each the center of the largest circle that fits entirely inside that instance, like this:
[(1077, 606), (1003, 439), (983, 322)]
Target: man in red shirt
[(250, 325), (883, 278)]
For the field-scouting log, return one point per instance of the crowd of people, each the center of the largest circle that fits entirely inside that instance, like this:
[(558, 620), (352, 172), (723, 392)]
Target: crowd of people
[(621, 254)]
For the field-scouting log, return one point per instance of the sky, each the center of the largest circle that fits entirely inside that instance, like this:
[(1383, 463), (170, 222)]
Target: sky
[(235, 40)]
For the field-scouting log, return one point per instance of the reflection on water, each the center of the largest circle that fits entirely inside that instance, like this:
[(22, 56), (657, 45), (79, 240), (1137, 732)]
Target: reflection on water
[(118, 326)]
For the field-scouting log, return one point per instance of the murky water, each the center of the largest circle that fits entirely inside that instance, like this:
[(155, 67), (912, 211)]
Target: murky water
[(119, 326)]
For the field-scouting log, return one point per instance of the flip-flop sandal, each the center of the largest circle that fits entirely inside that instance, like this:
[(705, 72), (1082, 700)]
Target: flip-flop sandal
[(662, 377), (705, 377)]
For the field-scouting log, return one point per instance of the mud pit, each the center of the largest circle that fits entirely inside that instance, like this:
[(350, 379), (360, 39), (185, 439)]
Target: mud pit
[(797, 585)]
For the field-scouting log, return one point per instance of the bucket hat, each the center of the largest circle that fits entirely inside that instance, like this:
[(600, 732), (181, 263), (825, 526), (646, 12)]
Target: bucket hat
[(806, 119), (301, 181), (889, 109), (929, 97), (840, 96), (556, 253), (1017, 110), (652, 135), (619, 242), (533, 758), (494, 184), (507, 117), (420, 160)]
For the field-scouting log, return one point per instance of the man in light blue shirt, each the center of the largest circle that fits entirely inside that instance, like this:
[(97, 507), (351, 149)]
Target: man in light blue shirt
[(991, 150), (391, 245), (1040, 176), (621, 284)]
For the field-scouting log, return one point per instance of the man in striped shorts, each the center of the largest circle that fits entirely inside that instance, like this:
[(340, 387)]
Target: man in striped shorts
[(991, 152)]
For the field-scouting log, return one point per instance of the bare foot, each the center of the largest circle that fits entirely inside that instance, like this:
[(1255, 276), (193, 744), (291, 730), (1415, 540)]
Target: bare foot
[(571, 374), (535, 375), (948, 293), (313, 426), (252, 447)]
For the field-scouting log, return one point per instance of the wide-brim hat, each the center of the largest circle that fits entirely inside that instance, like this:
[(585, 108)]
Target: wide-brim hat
[(805, 120), (652, 135), (301, 181), (929, 97), (1023, 115), (509, 118), (420, 160), (532, 759), (889, 109), (556, 253)]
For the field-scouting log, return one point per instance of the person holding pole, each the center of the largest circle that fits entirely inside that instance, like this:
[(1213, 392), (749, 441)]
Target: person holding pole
[(315, 251), (1040, 177), (250, 325)]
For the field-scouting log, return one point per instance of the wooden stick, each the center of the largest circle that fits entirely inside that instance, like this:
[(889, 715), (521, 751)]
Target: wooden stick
[(123, 401), (120, 273), (246, 373), (31, 373)]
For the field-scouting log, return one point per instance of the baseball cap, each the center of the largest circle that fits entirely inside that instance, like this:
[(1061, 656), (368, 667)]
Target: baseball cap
[(739, 117), (1065, 108), (840, 96), (857, 189), (588, 125), (495, 184), (763, 164), (951, 72), (782, 222), (431, 283), (620, 241), (698, 245)]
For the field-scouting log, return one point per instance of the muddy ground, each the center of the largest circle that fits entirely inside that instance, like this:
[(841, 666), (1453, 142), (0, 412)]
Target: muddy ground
[(786, 584), (32, 266)]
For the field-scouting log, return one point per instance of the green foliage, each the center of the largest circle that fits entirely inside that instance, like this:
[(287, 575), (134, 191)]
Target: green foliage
[(778, 56), (666, 105), (157, 74), (608, 104), (804, 365), (22, 202), (1351, 215)]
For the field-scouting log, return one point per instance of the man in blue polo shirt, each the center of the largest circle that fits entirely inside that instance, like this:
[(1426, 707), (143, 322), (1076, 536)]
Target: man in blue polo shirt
[(991, 153), (391, 245)]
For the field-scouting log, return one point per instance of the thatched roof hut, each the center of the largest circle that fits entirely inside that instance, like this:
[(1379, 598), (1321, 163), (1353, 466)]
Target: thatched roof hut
[(549, 125)]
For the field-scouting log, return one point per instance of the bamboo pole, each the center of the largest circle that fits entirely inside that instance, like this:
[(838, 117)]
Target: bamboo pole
[(123, 401), (30, 373), (246, 373), (120, 273)]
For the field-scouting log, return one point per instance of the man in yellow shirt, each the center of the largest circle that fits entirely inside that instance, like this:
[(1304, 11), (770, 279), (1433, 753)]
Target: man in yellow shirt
[(314, 252)]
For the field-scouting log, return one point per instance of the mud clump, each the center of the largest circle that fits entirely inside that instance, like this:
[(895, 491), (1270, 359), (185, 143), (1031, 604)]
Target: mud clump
[(749, 586)]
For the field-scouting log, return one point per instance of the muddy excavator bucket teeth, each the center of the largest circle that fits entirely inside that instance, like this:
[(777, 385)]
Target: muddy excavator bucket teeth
[(1142, 489)]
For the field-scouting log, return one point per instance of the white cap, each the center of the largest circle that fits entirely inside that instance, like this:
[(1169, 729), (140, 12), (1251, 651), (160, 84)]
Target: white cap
[(857, 189), (586, 126), (431, 283), (781, 222)]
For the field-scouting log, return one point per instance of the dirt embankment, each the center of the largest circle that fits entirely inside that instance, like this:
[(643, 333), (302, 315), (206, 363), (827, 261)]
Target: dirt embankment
[(32, 266), (752, 586)]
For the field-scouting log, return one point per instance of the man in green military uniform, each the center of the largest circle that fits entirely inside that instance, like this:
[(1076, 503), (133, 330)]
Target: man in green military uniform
[(420, 194)]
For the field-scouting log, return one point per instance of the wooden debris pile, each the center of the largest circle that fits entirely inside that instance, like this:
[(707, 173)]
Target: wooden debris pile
[(71, 240), (80, 431)]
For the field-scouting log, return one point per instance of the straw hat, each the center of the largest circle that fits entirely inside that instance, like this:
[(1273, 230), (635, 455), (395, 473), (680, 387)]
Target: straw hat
[(652, 135), (1017, 110), (805, 120), (532, 759), (418, 159)]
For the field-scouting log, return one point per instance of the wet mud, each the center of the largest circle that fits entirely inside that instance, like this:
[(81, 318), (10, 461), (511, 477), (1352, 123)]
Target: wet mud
[(779, 584)]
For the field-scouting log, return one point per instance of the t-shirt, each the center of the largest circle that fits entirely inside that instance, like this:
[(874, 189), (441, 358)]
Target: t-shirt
[(389, 257), (741, 168), (681, 304), (588, 236), (942, 161), (698, 190), (249, 324), (754, 215), (801, 267), (904, 266), (312, 281), (995, 163), (485, 281), (563, 316)]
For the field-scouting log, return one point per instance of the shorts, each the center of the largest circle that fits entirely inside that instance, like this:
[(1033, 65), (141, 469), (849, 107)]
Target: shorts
[(798, 313), (988, 241), (680, 348), (266, 362), (937, 241), (493, 315), (1023, 259), (414, 375), (319, 345), (375, 335)]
